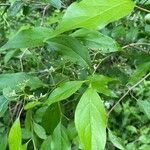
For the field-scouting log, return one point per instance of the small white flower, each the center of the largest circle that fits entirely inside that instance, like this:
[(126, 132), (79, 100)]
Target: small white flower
[(95, 66), (31, 97), (52, 69), (107, 104)]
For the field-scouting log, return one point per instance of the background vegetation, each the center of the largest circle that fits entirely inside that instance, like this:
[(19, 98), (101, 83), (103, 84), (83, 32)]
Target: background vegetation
[(72, 81)]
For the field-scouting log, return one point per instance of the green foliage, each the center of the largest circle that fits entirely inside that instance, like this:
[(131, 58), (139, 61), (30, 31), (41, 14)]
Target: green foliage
[(50, 124), (71, 49), (46, 144), (100, 84), (3, 105), (144, 106), (117, 142), (93, 15), (139, 72), (15, 139), (13, 81), (55, 3), (90, 120), (15, 8), (96, 41), (64, 91), (3, 142), (60, 138), (28, 37), (74, 75), (39, 130)]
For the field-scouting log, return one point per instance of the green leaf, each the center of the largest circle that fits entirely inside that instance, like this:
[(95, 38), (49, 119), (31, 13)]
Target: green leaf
[(15, 138), (144, 147), (94, 14), (140, 72), (71, 49), (96, 41), (28, 120), (24, 146), (54, 115), (3, 105), (30, 105), (117, 142), (15, 8), (64, 91), (39, 130), (17, 80), (28, 37), (9, 55), (71, 131), (60, 139), (26, 135), (10, 94), (145, 107), (55, 3), (100, 83), (46, 145), (3, 142), (91, 120), (39, 113)]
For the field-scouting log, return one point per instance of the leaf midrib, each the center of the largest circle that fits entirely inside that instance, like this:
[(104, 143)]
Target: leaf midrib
[(96, 15), (104, 11)]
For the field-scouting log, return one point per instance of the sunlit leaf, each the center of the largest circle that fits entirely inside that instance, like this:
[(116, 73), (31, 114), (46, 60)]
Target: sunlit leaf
[(15, 138), (64, 91), (94, 14), (90, 121)]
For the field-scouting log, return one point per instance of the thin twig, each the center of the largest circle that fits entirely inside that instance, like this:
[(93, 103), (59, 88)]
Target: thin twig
[(133, 44), (15, 111), (141, 49), (4, 5), (21, 57), (143, 9), (133, 96), (130, 89), (44, 12), (20, 111)]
